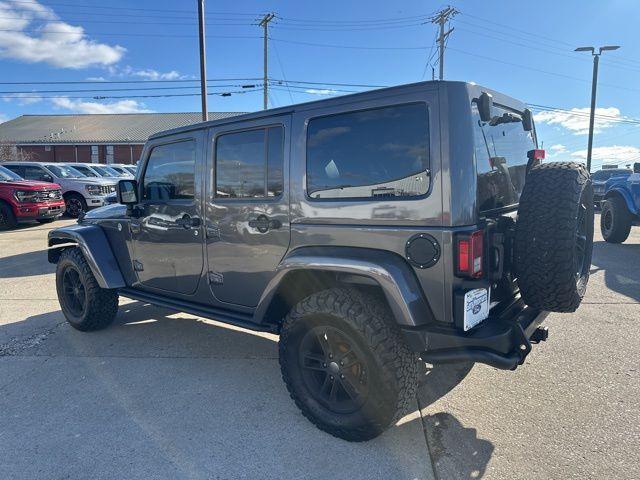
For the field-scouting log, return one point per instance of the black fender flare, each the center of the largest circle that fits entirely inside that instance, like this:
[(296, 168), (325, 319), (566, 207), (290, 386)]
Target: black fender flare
[(96, 250), (388, 270)]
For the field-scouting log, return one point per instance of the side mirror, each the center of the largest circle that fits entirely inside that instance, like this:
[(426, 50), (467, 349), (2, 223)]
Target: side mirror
[(527, 120), (485, 103), (47, 178), (636, 167), (127, 192)]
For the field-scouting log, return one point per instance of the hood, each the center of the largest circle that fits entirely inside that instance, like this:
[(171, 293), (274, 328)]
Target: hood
[(30, 185), (115, 210), (91, 181)]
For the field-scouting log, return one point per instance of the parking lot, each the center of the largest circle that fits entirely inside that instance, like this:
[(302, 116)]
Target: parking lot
[(168, 395)]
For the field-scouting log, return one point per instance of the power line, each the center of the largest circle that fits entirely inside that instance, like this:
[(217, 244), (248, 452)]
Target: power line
[(82, 82)]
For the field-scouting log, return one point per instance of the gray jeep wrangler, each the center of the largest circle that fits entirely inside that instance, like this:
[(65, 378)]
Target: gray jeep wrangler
[(368, 231)]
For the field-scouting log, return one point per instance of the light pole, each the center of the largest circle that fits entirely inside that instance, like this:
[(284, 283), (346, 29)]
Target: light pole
[(594, 85)]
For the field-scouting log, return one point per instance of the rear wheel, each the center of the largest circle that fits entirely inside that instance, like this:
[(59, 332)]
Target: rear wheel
[(85, 305), (554, 236), (7, 218), (615, 220), (76, 204), (346, 365)]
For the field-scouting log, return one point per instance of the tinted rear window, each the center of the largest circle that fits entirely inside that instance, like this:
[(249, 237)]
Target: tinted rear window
[(382, 152), (501, 147)]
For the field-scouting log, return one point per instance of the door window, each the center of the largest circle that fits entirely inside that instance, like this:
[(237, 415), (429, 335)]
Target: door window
[(250, 164), (35, 173), (170, 172), (377, 153)]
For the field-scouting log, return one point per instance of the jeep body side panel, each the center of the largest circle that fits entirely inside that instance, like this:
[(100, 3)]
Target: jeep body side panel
[(386, 269), (91, 239)]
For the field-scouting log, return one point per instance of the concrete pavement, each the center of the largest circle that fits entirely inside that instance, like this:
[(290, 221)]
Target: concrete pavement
[(167, 395)]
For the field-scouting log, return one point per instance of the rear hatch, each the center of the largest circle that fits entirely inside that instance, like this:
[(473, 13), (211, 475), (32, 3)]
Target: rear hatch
[(502, 146)]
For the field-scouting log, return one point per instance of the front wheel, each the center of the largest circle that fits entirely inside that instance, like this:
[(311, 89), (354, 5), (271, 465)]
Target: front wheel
[(7, 218), (85, 305), (76, 204), (615, 220), (345, 363)]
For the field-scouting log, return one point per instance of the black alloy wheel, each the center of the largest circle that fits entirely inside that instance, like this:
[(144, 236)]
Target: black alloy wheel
[(74, 292), (334, 369), (582, 236)]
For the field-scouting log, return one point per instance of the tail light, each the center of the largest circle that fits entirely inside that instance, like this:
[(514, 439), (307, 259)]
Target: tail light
[(470, 248)]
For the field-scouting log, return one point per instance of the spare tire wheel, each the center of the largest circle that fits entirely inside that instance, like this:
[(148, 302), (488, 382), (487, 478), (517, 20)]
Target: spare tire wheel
[(554, 236)]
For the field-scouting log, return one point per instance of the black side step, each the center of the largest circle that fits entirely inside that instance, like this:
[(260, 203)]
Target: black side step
[(219, 315)]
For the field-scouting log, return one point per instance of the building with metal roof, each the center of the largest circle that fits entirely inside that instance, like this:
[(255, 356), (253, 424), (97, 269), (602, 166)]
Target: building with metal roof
[(104, 138)]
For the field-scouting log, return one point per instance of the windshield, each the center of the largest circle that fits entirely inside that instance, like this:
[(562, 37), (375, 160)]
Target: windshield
[(608, 173), (132, 170), (7, 175), (64, 171), (501, 147), (86, 171), (109, 171)]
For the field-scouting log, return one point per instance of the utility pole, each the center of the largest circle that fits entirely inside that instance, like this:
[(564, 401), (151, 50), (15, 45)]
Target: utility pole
[(203, 61), (594, 86), (443, 17), (264, 23)]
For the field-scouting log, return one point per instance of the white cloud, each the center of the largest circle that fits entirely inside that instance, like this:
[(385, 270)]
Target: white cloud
[(321, 91), (558, 148), (23, 98), (121, 106), (32, 33), (145, 73), (577, 120), (96, 79), (614, 153)]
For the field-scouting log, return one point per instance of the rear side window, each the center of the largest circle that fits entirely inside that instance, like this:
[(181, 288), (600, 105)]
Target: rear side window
[(250, 164), (377, 153), (170, 172)]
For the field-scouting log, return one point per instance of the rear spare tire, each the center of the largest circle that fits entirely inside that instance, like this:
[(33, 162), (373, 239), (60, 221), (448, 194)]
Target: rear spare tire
[(554, 236)]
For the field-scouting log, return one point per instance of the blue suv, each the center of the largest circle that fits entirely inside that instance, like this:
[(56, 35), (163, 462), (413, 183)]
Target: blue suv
[(621, 206)]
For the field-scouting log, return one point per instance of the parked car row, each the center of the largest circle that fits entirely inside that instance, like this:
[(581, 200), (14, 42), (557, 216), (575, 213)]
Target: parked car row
[(43, 191)]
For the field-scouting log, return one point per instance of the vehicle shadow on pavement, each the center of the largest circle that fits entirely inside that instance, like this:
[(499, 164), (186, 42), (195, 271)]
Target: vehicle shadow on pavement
[(456, 451), (621, 272), (167, 395), (26, 265)]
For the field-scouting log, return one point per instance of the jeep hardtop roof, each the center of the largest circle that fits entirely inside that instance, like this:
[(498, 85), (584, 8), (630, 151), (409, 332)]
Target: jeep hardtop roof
[(472, 89)]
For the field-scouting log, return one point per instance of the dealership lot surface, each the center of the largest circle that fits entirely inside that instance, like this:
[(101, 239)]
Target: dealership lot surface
[(167, 395)]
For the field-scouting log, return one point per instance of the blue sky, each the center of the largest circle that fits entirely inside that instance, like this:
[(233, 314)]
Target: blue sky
[(521, 48)]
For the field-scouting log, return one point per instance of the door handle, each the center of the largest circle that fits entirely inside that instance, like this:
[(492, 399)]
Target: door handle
[(188, 222), (263, 224)]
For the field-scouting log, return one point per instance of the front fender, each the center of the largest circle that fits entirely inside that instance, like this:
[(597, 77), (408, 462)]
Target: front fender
[(96, 250), (626, 196), (394, 276)]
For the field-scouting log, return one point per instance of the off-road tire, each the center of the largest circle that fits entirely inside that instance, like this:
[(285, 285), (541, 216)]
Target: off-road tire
[(70, 208), (45, 220), (101, 304), (7, 218), (556, 199), (615, 220), (392, 368)]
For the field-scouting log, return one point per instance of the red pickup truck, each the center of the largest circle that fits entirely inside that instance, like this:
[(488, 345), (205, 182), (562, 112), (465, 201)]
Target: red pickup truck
[(26, 200)]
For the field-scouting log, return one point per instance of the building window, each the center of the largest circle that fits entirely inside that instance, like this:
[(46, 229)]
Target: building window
[(377, 153), (109, 153), (249, 164), (47, 148), (95, 156)]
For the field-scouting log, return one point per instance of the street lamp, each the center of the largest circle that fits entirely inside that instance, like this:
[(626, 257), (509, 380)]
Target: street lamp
[(594, 83)]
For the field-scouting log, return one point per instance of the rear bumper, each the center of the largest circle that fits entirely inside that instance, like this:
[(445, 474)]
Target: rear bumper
[(502, 341)]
